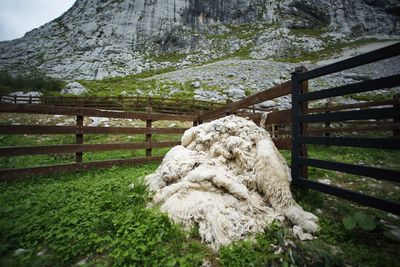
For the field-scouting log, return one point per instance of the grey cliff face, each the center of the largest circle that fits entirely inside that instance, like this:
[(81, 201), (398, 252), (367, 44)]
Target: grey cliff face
[(356, 17), (100, 38)]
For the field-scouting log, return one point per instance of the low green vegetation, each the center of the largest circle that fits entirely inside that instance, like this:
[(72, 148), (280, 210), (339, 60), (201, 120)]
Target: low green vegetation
[(330, 49), (375, 96), (243, 31), (42, 160), (32, 81), (349, 233), (308, 32), (261, 251), (97, 219), (380, 158), (169, 57), (243, 52), (361, 220), (136, 85), (355, 246)]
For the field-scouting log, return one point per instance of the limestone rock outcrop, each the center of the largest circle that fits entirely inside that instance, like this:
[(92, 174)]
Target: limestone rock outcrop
[(73, 88), (100, 38)]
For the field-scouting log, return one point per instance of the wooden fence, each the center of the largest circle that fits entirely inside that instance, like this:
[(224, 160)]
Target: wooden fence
[(79, 130), (318, 125), (278, 123), (290, 128), (139, 104)]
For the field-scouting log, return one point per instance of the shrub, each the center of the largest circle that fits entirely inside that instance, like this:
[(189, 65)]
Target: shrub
[(31, 81)]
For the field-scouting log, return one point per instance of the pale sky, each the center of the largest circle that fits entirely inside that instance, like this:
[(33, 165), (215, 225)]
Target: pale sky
[(20, 16)]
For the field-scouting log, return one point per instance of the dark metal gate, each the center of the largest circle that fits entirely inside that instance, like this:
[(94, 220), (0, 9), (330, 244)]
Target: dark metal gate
[(300, 119)]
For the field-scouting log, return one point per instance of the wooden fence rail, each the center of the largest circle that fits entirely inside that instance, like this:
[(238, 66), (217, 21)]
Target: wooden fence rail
[(137, 103), (377, 116), (277, 122), (79, 130), (309, 126)]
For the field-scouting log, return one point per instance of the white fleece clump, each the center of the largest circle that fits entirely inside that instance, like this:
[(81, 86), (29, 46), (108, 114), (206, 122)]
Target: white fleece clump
[(229, 179)]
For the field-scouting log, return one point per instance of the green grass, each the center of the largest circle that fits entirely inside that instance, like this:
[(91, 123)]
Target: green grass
[(170, 57), (243, 52), (336, 245), (94, 216), (42, 140), (90, 215), (380, 158), (330, 49), (357, 247), (244, 31), (374, 96), (261, 251), (135, 85)]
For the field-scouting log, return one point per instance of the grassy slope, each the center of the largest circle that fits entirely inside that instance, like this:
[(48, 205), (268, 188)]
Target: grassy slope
[(133, 84)]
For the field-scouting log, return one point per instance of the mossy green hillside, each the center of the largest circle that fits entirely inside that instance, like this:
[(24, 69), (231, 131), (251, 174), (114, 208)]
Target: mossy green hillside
[(136, 85), (330, 48)]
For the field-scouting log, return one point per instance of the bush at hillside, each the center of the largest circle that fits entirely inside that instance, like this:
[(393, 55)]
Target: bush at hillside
[(32, 81)]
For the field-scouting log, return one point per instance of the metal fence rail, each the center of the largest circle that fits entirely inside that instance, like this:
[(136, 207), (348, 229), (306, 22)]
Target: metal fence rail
[(300, 135)]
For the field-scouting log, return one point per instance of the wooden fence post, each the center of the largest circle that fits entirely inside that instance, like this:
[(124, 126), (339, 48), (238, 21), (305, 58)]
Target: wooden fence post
[(121, 102), (396, 121), (148, 131), (276, 129), (79, 137), (201, 112), (196, 112), (228, 101), (148, 137)]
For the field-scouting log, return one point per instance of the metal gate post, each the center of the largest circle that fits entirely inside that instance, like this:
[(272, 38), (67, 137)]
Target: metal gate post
[(295, 170), (298, 129)]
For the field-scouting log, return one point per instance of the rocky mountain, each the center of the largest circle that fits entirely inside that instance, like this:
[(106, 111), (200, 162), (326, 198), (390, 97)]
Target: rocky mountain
[(101, 38)]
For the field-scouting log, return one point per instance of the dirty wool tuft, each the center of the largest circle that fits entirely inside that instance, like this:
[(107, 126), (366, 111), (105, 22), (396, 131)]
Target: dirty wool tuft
[(228, 179)]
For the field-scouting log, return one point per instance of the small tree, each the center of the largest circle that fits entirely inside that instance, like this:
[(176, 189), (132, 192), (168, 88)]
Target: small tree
[(34, 80)]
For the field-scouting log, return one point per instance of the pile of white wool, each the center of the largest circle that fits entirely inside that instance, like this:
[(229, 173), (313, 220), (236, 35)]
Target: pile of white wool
[(229, 179)]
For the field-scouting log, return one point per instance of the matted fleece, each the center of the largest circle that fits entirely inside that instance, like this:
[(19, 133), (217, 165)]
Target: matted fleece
[(228, 178)]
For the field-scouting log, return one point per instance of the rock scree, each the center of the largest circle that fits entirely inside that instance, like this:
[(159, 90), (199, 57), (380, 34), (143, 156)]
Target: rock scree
[(229, 179)]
